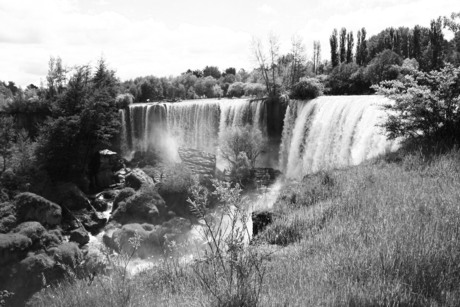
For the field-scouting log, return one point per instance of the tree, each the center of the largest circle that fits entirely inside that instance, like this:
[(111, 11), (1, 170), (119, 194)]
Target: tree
[(212, 71), (267, 62), (56, 77), (307, 88), (316, 56), (247, 140), (426, 105), (436, 43), (343, 43), (236, 89), (230, 71), (350, 45), (298, 60), (334, 45), (363, 48), (84, 120), (7, 133), (385, 66)]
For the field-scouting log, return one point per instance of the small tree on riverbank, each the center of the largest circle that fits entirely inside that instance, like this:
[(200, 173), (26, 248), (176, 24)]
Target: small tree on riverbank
[(426, 105)]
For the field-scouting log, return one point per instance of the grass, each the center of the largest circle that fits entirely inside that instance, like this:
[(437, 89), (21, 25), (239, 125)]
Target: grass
[(379, 234)]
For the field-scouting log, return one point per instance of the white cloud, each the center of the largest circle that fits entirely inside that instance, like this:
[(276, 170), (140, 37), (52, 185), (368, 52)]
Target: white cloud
[(267, 10)]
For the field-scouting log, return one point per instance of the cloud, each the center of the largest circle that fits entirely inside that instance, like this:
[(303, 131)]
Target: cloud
[(267, 10), (132, 46)]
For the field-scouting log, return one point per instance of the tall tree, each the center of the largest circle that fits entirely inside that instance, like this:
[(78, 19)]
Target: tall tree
[(298, 59), (212, 71), (417, 48), (436, 43), (343, 43), (350, 45), (334, 45), (316, 56), (363, 48), (358, 48)]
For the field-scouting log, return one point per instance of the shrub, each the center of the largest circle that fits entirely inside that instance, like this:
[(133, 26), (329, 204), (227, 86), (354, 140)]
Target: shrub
[(308, 88), (236, 89)]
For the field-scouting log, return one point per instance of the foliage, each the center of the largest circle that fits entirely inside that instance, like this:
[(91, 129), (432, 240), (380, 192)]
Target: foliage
[(177, 179), (231, 272), (84, 119), (348, 79), (308, 88), (385, 66), (6, 139), (236, 90), (425, 104), (247, 139)]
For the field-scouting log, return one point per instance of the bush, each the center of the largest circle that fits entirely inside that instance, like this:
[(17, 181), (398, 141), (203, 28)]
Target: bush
[(236, 89), (308, 88)]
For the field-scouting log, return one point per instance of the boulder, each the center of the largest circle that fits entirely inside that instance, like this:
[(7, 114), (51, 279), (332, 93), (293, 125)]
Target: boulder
[(32, 230), (123, 195), (145, 206), (260, 220), (91, 220), (138, 179), (152, 238), (13, 247), (100, 204), (264, 176), (31, 207), (67, 253), (79, 236), (70, 196), (7, 217)]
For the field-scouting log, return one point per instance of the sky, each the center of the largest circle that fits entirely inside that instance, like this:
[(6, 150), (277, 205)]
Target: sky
[(167, 37)]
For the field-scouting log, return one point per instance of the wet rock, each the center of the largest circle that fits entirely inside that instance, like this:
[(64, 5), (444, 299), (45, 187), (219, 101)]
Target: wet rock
[(91, 220), (100, 204), (142, 207), (264, 176), (13, 247), (79, 236), (260, 220), (138, 179), (153, 239), (31, 207), (122, 196)]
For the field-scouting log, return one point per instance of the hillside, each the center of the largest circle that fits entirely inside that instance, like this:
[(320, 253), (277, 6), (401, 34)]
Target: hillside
[(384, 233)]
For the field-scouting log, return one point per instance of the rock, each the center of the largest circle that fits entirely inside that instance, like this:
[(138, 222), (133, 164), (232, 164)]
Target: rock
[(138, 179), (32, 230), (7, 217), (100, 204), (70, 196), (142, 207), (153, 238), (13, 247), (264, 176), (123, 195), (67, 253), (260, 220), (31, 207), (91, 220), (79, 236), (199, 162)]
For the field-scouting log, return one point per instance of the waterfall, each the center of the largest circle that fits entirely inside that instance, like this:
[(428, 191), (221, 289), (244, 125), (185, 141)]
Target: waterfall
[(330, 132), (195, 124)]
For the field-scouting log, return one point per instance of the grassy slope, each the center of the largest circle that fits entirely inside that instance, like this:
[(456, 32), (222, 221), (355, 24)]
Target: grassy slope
[(377, 234)]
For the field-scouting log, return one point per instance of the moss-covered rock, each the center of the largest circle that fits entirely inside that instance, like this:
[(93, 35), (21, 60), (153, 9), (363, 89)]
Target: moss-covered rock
[(32, 230), (7, 217), (31, 207), (13, 247)]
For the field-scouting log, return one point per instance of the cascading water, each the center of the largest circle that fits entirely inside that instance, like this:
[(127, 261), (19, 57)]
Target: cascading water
[(195, 124), (330, 132)]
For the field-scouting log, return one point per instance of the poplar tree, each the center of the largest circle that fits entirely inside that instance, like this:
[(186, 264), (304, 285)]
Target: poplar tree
[(350, 45), (334, 45), (343, 51)]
